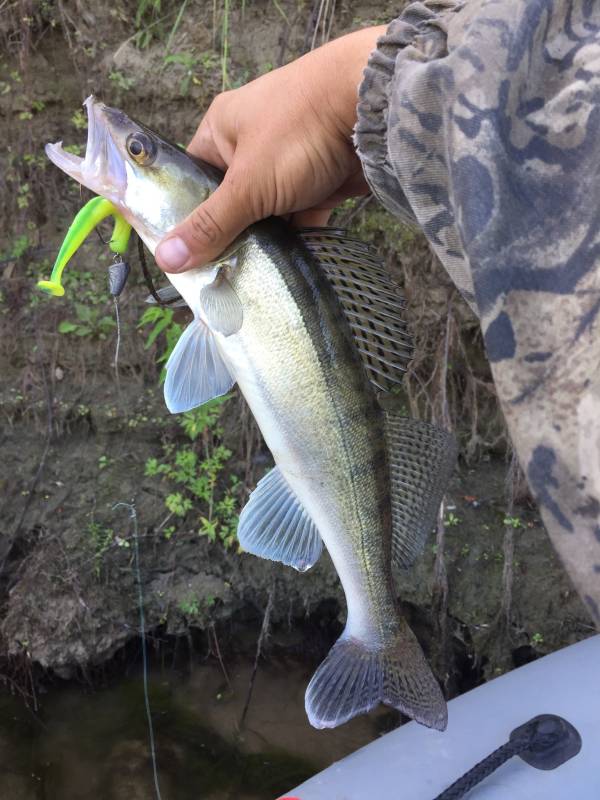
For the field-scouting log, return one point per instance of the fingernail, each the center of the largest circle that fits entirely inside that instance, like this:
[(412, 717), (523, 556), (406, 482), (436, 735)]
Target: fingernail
[(173, 253)]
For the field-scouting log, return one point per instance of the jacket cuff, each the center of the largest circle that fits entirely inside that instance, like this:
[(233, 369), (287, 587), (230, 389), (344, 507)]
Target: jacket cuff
[(422, 28)]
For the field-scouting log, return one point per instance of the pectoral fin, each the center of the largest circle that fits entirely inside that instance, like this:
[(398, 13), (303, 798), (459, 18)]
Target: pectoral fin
[(222, 306), (421, 458), (196, 373), (274, 525)]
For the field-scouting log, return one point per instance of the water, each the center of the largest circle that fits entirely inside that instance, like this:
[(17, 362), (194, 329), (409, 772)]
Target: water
[(93, 745)]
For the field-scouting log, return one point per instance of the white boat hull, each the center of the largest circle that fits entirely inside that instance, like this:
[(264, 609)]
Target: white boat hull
[(416, 763)]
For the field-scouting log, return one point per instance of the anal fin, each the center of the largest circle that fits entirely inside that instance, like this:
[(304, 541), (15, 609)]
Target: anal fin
[(422, 458), (274, 525)]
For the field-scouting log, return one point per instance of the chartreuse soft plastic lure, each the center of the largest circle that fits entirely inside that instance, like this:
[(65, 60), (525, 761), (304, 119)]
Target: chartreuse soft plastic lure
[(84, 223)]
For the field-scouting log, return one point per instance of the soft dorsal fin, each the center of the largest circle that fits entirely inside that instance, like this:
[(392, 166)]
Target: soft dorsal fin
[(421, 458), (196, 373), (371, 301), (274, 525)]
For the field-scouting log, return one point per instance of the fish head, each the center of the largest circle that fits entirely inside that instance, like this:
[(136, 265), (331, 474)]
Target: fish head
[(153, 183)]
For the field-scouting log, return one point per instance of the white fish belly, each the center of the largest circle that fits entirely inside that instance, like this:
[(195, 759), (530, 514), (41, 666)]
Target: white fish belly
[(305, 469)]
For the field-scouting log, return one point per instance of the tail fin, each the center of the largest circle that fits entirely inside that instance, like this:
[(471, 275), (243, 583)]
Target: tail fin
[(354, 678)]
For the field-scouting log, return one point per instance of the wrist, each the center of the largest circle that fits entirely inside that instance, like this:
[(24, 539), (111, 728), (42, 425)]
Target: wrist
[(347, 59)]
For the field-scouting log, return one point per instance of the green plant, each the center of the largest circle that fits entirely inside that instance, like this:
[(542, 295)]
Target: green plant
[(280, 10), (34, 106), (79, 120), (190, 606), (176, 502), (147, 22), (163, 323), (513, 522), (224, 44), (451, 520), (208, 60), (193, 606), (23, 195), (90, 322), (87, 285), (35, 160), (101, 539), (537, 639), (197, 473), (17, 248), (144, 7), (189, 62), (120, 80)]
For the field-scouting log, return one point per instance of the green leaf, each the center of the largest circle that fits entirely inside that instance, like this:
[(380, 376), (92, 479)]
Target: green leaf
[(151, 467), (84, 313), (67, 327), (159, 328), (150, 315)]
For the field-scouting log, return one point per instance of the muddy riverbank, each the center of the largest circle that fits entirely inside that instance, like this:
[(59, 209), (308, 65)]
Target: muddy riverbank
[(80, 434)]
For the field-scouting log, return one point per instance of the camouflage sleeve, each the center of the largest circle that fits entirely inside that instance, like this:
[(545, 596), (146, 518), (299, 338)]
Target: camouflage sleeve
[(481, 120)]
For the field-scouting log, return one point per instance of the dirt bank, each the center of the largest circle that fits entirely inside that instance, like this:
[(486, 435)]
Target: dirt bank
[(77, 435)]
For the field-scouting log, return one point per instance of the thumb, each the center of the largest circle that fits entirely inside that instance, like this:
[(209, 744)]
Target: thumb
[(208, 230)]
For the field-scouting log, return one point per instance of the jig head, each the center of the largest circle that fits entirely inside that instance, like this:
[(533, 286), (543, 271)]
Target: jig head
[(118, 273)]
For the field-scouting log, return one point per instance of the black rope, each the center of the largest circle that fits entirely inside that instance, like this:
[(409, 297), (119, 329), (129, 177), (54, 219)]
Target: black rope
[(545, 742), (148, 277), (482, 770)]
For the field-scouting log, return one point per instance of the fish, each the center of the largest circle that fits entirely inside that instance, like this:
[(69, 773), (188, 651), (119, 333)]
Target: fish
[(310, 327)]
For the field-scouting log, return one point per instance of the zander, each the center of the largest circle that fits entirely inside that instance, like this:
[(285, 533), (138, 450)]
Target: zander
[(309, 327)]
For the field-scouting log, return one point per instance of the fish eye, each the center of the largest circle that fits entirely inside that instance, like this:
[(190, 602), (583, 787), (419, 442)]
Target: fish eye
[(141, 148)]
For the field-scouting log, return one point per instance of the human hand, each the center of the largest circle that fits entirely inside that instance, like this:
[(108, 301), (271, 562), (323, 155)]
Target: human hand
[(285, 142)]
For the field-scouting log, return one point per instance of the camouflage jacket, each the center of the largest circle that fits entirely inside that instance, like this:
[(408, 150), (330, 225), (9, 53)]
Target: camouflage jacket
[(480, 120)]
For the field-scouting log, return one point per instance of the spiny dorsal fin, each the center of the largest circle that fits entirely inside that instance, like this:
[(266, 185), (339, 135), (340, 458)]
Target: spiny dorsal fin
[(274, 525), (168, 295), (421, 458), (371, 301)]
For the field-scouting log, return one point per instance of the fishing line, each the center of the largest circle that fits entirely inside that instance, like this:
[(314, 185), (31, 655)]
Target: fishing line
[(117, 345), (136, 550)]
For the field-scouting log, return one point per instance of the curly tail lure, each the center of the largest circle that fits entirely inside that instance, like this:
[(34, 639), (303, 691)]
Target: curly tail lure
[(91, 215)]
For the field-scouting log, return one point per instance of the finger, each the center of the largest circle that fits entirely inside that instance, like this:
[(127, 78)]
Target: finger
[(313, 218), (204, 146), (214, 140), (208, 230)]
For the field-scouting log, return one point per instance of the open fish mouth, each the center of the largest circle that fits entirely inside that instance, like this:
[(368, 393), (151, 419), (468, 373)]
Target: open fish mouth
[(102, 169)]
